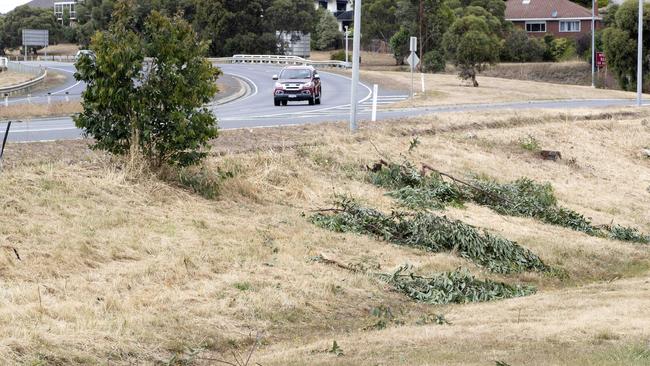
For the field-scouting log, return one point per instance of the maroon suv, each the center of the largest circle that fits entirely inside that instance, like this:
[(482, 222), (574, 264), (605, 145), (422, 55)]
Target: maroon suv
[(297, 83)]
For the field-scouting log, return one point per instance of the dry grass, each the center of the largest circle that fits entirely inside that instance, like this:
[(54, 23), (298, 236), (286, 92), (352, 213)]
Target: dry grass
[(62, 49), (442, 89), (369, 59), (118, 269), (22, 111), (9, 78)]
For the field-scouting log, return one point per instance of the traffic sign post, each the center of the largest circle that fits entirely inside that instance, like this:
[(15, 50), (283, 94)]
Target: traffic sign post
[(600, 60), (413, 60), (35, 37)]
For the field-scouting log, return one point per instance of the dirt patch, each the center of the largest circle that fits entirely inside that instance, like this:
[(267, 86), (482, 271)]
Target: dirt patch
[(9, 78)]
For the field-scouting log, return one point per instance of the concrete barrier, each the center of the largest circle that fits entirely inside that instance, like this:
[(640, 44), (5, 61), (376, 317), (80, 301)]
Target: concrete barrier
[(38, 75)]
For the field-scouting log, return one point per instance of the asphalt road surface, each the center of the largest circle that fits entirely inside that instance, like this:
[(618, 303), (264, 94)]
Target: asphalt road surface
[(257, 110)]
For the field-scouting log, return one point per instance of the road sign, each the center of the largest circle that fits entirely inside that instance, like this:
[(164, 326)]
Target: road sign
[(36, 37), (413, 60), (601, 61), (414, 44)]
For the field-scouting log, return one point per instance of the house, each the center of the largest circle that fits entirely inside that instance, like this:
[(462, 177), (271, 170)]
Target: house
[(341, 9), (60, 7), (560, 18)]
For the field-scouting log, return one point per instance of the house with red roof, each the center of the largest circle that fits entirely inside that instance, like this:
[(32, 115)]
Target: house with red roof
[(559, 18)]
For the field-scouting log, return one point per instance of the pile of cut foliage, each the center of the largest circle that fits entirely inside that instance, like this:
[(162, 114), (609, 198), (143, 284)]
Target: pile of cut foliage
[(427, 189), (433, 233), (456, 287)]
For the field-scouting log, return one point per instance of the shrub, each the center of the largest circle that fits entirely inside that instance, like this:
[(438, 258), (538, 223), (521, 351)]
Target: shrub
[(338, 55), (518, 47), (563, 49)]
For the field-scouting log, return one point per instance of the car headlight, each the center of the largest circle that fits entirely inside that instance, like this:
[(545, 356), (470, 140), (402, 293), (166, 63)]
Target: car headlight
[(308, 85), (279, 85)]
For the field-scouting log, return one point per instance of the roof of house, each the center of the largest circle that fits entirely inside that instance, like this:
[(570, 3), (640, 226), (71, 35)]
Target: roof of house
[(545, 9)]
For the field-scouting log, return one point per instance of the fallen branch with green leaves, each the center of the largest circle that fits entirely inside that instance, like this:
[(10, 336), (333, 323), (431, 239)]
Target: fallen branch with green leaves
[(428, 189), (457, 287), (434, 233)]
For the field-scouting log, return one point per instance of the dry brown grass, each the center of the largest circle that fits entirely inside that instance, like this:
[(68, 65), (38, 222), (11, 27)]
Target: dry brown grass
[(62, 49), (21, 111), (9, 78), (370, 59), (132, 269), (443, 89)]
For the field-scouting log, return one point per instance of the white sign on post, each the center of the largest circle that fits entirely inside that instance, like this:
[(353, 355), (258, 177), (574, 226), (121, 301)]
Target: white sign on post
[(413, 60), (414, 44)]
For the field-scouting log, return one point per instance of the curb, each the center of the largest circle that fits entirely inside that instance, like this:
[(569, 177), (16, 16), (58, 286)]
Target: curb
[(244, 90)]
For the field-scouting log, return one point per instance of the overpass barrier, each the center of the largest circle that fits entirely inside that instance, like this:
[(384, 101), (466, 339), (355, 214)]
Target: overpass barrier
[(278, 60)]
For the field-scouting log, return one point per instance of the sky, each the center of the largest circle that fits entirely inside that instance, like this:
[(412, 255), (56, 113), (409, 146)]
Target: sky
[(8, 5)]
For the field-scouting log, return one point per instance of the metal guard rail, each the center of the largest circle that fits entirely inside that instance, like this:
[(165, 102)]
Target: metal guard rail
[(25, 85), (279, 59)]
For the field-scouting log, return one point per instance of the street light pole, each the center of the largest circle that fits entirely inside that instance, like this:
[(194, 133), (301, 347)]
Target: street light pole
[(639, 64), (593, 43), (356, 53)]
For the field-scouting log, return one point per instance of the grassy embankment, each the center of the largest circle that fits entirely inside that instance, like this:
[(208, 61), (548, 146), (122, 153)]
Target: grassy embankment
[(121, 267)]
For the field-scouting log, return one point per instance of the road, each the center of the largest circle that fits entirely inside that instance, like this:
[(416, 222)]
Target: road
[(257, 109)]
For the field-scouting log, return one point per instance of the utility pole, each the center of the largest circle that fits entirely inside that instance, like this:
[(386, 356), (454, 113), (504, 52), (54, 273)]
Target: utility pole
[(639, 64), (356, 54), (347, 34), (593, 43)]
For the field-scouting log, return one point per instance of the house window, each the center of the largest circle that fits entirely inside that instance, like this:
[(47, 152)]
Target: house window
[(570, 26), (536, 27)]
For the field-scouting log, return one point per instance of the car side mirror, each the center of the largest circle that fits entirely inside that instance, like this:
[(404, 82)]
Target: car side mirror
[(316, 76), (275, 77)]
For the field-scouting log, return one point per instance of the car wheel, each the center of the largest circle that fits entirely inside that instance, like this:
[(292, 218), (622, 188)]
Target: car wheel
[(319, 98), (285, 102), (312, 101), (277, 103)]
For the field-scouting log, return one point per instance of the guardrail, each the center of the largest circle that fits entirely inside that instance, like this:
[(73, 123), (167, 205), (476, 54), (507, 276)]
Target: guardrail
[(42, 58), (278, 60), (39, 74)]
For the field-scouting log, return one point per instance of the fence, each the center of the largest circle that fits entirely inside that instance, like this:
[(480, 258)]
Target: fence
[(42, 58)]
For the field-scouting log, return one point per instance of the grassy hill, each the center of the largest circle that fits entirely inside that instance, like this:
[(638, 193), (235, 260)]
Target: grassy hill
[(101, 264)]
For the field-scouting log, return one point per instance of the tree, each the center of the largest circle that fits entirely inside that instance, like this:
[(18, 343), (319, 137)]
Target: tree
[(379, 19), (327, 34), (399, 43), (25, 17), (472, 45), (518, 47), (154, 108), (620, 43)]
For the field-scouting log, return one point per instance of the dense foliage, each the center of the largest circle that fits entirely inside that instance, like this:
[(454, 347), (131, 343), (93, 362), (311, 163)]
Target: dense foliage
[(433, 233), (522, 197), (12, 24), (158, 112), (457, 287), (620, 43)]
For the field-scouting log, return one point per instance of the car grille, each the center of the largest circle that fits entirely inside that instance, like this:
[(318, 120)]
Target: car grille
[(292, 86)]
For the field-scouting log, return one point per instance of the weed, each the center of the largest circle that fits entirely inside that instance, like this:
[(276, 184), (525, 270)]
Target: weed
[(336, 349), (529, 143), (242, 286)]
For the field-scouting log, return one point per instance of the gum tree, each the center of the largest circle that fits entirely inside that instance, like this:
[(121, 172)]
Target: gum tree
[(153, 108)]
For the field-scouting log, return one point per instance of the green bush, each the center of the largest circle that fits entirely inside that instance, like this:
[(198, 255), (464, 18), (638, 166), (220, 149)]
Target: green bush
[(563, 49), (338, 55), (433, 61), (519, 47)]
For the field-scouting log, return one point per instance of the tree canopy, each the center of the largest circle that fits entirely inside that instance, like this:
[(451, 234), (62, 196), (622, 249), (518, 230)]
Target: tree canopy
[(153, 108)]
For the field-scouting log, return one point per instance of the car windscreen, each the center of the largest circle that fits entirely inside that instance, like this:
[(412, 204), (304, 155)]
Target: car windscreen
[(295, 74)]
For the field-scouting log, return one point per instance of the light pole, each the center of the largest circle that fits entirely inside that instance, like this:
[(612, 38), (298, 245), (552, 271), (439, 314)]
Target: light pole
[(356, 52), (347, 34), (639, 64), (593, 43)]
